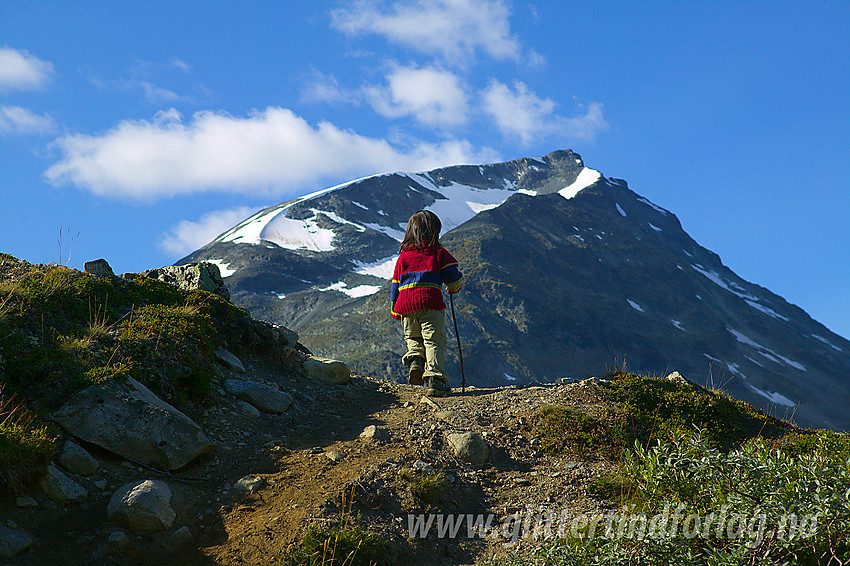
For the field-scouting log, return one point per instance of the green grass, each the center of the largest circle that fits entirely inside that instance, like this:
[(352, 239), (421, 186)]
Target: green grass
[(25, 448), (342, 545), (62, 330), (428, 487)]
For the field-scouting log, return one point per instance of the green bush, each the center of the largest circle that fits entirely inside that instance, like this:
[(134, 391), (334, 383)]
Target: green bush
[(753, 505)]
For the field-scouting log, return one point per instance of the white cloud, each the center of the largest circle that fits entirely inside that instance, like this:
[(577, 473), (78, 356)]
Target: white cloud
[(523, 114), (17, 120), (21, 70), (434, 97), (188, 236), (271, 153), (182, 65), (321, 87), (455, 30)]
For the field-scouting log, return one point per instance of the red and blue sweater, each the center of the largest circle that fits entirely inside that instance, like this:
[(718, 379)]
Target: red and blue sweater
[(418, 280)]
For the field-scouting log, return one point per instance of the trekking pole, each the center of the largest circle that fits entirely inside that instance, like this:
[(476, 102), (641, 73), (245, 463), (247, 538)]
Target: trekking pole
[(459, 351)]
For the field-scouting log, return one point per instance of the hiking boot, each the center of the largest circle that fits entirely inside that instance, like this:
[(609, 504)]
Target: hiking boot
[(417, 368), (437, 388)]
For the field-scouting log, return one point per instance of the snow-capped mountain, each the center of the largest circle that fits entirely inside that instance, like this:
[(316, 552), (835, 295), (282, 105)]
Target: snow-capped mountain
[(565, 272)]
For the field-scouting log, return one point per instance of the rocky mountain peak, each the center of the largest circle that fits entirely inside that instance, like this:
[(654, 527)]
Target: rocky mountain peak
[(566, 271)]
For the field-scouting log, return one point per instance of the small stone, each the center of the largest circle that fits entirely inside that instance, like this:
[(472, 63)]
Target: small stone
[(118, 541), (470, 447), (373, 433), (264, 397), (60, 488), (13, 542), (100, 484), (77, 460), (142, 506), (248, 408), (250, 483), (677, 377), (26, 502), (335, 456), (329, 372), (423, 466), (177, 540), (228, 360)]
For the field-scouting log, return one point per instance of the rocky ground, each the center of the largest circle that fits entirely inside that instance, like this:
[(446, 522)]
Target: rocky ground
[(271, 476)]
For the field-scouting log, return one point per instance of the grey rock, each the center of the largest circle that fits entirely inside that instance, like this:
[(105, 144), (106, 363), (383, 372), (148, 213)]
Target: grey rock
[(13, 542), (60, 488), (26, 502), (142, 507), (177, 541), (229, 360), (264, 397), (117, 541), (131, 421), (248, 408), (204, 276), (373, 433), (469, 447), (250, 483), (423, 466), (99, 268), (678, 378), (329, 372), (287, 340), (335, 456), (77, 460)]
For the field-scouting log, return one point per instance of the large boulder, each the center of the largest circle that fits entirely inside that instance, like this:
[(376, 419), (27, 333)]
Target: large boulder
[(142, 507), (129, 420), (99, 268), (204, 276)]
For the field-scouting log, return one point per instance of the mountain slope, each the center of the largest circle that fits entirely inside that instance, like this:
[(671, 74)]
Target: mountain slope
[(566, 271)]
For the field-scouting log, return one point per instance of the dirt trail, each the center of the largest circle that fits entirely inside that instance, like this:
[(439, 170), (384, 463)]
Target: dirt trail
[(301, 485)]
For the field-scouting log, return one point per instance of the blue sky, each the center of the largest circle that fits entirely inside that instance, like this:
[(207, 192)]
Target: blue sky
[(138, 131)]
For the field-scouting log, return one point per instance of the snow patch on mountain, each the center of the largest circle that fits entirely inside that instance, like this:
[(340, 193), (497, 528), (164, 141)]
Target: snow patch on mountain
[(382, 268), (354, 292), (585, 178), (827, 342), (223, 268), (764, 351), (766, 310), (776, 398)]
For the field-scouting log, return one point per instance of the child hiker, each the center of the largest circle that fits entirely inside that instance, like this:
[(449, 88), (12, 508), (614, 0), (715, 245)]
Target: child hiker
[(422, 267)]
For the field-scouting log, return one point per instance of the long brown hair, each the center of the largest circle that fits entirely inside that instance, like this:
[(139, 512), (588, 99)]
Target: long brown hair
[(423, 231)]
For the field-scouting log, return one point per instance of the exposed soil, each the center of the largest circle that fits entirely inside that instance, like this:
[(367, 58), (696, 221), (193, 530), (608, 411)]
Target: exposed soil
[(301, 485)]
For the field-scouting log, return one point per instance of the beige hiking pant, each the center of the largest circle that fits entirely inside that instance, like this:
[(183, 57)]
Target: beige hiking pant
[(425, 335)]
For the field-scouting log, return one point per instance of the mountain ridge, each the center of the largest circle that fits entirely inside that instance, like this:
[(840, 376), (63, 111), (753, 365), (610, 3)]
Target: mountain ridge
[(621, 280)]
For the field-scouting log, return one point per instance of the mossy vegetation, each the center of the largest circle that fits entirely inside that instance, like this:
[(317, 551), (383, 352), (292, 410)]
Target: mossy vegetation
[(62, 330), (646, 409)]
